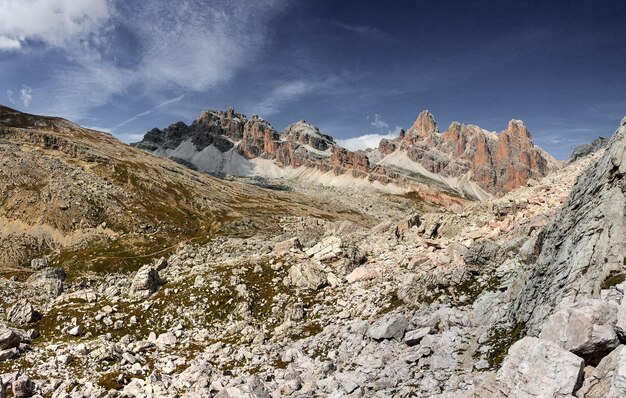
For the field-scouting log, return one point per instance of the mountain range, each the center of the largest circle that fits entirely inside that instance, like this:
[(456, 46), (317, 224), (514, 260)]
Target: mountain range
[(464, 160)]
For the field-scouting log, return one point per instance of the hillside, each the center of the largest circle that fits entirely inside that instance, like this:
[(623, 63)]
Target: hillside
[(85, 199)]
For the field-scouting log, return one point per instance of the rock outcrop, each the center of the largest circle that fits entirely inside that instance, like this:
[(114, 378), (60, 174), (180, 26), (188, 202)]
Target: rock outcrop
[(587, 149), (584, 247), (497, 162)]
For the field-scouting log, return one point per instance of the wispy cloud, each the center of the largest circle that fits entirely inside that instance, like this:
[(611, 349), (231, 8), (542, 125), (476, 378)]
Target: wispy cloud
[(26, 95), (167, 47), (149, 111), (10, 96), (286, 92), (378, 122), (370, 32)]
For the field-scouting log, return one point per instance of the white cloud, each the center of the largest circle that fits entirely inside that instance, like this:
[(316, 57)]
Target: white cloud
[(10, 96), (379, 123), (53, 22), (151, 48), (26, 95), (366, 141), (8, 44)]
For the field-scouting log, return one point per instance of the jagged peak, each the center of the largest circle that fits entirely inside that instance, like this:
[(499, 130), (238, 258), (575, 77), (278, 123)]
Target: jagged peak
[(425, 123), (517, 127)]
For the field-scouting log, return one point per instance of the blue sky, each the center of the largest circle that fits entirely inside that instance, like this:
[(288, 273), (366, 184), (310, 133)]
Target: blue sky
[(353, 68)]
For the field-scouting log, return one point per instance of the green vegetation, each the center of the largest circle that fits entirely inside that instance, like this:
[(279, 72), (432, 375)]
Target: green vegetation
[(500, 339)]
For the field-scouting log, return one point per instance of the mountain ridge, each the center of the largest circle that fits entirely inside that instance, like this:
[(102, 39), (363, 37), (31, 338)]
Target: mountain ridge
[(479, 160)]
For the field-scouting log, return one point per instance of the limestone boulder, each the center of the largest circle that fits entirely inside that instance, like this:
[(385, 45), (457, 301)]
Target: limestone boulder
[(586, 329)]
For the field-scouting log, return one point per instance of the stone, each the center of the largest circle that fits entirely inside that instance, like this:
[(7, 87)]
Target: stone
[(76, 331), (146, 282), (389, 327), (360, 274), (586, 328), (608, 379), (8, 354), (537, 368), (287, 245), (9, 339), (413, 337), (64, 359), (22, 312), (328, 248), (49, 281), (166, 339), (306, 276), (39, 263), (23, 387)]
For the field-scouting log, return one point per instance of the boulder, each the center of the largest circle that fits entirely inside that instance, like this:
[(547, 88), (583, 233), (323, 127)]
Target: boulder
[(586, 329), (413, 337), (305, 276), (8, 354), (9, 339), (287, 245), (360, 274), (76, 331), (39, 263), (327, 249), (538, 368), (166, 339), (608, 379), (146, 282), (389, 327), (22, 313), (23, 387), (49, 280)]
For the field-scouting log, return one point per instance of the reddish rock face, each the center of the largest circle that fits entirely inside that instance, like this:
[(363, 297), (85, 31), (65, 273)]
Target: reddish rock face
[(424, 129), (498, 163), (342, 159)]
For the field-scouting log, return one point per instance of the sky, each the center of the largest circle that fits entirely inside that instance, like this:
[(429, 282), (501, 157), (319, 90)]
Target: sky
[(359, 70)]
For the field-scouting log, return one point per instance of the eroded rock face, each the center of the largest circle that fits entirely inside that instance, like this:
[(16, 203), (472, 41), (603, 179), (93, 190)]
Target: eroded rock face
[(497, 162), (587, 149), (584, 244)]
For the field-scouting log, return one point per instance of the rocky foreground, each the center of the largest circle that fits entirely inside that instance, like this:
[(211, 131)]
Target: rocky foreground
[(520, 296)]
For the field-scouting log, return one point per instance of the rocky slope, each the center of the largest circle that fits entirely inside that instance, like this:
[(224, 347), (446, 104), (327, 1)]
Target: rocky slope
[(520, 295), (464, 160), (83, 198)]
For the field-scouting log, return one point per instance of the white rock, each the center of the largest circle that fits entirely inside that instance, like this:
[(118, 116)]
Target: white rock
[(360, 274), (587, 328), (539, 368), (390, 327)]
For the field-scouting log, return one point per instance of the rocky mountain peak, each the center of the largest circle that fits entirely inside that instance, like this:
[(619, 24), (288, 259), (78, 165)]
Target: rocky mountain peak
[(424, 128), (307, 134)]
